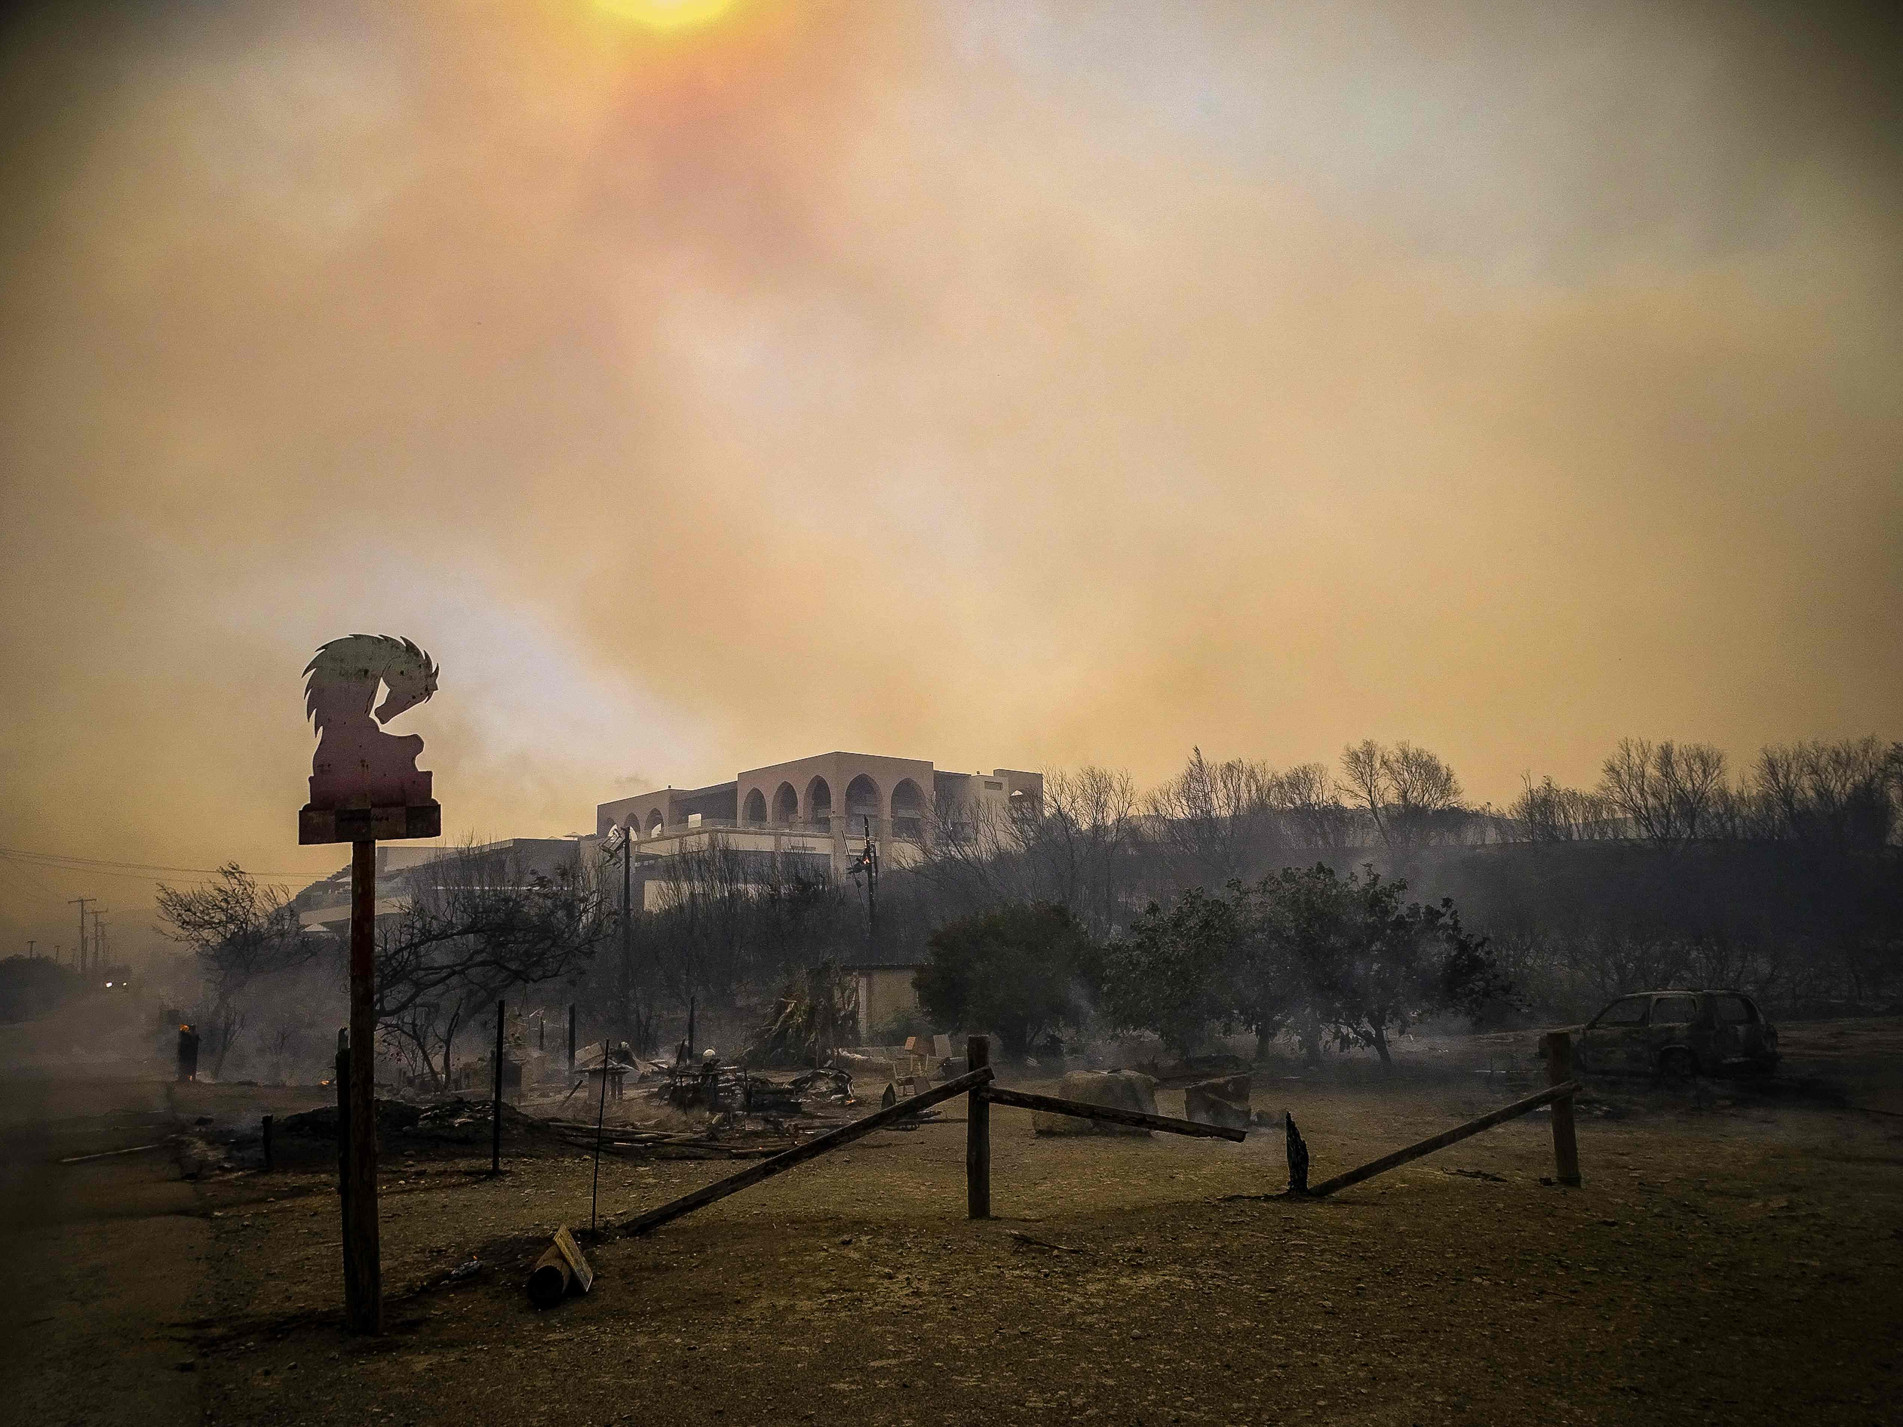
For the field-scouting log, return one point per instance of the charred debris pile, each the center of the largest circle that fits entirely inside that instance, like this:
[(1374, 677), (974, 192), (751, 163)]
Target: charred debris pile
[(699, 1109)]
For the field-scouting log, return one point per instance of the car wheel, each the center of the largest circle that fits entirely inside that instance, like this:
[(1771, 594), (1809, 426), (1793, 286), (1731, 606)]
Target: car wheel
[(1677, 1066)]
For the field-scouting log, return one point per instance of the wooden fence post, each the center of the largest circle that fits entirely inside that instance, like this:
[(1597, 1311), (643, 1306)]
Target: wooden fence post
[(1557, 1046), (601, 1113), (977, 1133)]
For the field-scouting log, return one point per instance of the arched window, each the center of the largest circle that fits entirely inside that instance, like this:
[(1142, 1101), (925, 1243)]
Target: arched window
[(819, 803), (908, 811), (786, 806), (756, 807), (654, 823), (863, 805)]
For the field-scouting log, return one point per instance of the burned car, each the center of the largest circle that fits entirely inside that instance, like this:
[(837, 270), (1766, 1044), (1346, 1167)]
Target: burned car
[(1677, 1034)]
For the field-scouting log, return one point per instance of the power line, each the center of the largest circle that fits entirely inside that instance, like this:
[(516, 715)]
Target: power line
[(27, 877), (63, 860), (20, 864)]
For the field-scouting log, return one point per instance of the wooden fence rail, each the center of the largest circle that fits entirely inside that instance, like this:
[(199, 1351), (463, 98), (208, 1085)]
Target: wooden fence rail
[(976, 1083), (1445, 1138), (799, 1154), (1025, 1100)]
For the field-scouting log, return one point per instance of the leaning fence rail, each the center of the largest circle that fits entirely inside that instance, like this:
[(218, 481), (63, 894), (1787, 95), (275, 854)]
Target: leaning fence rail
[(1024, 1100), (1443, 1139), (1556, 1048), (798, 1155)]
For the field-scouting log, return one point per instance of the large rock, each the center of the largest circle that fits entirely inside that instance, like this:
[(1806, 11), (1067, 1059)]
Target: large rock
[(1117, 1089)]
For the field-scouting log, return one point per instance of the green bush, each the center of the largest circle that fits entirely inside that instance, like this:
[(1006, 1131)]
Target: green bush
[(1014, 971)]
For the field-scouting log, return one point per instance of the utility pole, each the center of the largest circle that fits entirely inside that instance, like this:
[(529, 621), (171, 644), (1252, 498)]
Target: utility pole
[(99, 944), (82, 901), (29, 950), (627, 933), (868, 863)]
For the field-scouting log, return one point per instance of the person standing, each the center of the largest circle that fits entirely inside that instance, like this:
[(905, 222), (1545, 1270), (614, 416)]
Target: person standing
[(187, 1054)]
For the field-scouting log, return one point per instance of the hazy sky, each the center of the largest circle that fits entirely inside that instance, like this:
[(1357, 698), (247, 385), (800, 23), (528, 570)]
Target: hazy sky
[(987, 381)]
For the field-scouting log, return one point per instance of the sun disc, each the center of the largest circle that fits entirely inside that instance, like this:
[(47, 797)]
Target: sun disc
[(666, 14)]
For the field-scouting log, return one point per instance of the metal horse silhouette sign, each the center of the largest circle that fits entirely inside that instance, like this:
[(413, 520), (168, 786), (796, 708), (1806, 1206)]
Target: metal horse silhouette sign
[(364, 782)]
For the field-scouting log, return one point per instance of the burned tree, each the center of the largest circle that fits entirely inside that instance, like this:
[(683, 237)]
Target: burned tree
[(239, 930), (475, 923), (1214, 818), (807, 1020), (1667, 792), (1410, 795), (1077, 848)]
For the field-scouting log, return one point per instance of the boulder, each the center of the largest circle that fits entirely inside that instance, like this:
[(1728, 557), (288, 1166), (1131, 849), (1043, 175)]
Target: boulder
[(1117, 1089)]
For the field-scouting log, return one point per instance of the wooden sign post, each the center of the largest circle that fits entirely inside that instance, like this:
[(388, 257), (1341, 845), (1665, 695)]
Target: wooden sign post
[(365, 785)]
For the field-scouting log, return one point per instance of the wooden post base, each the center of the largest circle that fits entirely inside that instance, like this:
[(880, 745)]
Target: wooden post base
[(978, 1132)]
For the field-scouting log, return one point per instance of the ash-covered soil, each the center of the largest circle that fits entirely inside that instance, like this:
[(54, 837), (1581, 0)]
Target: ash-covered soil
[(1735, 1255)]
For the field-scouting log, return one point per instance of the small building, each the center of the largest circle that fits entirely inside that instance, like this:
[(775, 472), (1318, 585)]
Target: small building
[(885, 989)]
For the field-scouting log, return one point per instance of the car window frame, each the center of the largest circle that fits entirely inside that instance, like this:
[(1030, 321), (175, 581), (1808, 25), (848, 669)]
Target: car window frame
[(1599, 1022), (1693, 1019)]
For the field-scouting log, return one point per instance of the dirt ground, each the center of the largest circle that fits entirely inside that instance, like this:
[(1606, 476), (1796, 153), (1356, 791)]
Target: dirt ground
[(1735, 1255)]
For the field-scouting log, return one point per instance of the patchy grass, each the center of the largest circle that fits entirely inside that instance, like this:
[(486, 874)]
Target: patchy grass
[(1728, 1258)]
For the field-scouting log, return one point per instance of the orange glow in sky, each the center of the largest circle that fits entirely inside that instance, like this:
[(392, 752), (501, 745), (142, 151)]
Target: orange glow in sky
[(667, 14)]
